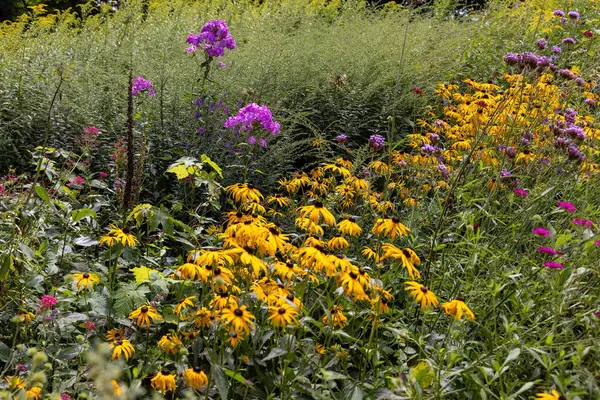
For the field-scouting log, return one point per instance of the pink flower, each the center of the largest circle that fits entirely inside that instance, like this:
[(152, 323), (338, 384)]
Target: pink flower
[(89, 325), (102, 175), (417, 91), (76, 182), (521, 192), (597, 314), (547, 250), (65, 396), (569, 207), (582, 222), (92, 130), (553, 265), (541, 231), (588, 34), (47, 302), (597, 242)]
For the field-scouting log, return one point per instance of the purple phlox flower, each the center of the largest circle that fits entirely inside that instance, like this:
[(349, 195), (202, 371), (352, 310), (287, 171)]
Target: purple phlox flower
[(570, 115), (512, 58), (556, 49), (580, 82), (590, 102), (141, 85), (199, 102), (568, 41), (565, 73), (545, 161), (541, 44), (262, 142), (566, 206), (505, 173), (428, 149), (214, 39), (443, 169), (341, 138), (553, 265), (597, 242), (541, 231), (434, 137), (521, 192), (543, 61), (376, 141), (582, 222), (574, 15), (559, 13), (251, 116), (47, 302), (251, 139), (597, 314), (439, 123), (547, 250)]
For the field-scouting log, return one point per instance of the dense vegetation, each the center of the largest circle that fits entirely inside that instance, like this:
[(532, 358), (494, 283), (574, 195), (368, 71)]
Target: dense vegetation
[(300, 199)]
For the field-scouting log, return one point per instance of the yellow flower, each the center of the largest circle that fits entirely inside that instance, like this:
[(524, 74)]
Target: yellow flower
[(144, 314), (15, 382), (163, 382), (122, 347), (421, 294), (195, 378), (115, 334), (239, 318), (204, 317), (287, 270), (27, 317), (308, 226), (243, 192), (456, 308), (183, 305), (408, 257), (349, 227), (117, 235), (222, 276), (337, 317), (34, 393), (193, 272), (352, 286), (390, 227), (315, 211), (234, 338), (338, 168), (86, 280), (279, 199), (320, 349), (554, 395), (170, 343), (116, 387), (337, 243), (282, 315), (368, 253), (223, 299)]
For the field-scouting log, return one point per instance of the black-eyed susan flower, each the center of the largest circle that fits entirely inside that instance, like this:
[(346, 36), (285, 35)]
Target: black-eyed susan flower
[(553, 395), (320, 349), (115, 334), (247, 257), (421, 294), (184, 304), (117, 235), (239, 318), (205, 318), (456, 308), (223, 299), (336, 317), (164, 382), (369, 253), (279, 199), (243, 193), (33, 393), (27, 317), (15, 382), (408, 257), (390, 227), (288, 270), (338, 168), (234, 338), (316, 211), (352, 287), (349, 226), (86, 280), (380, 305), (282, 315), (337, 242), (222, 276), (195, 378), (144, 314), (122, 347), (307, 225), (170, 343), (192, 272)]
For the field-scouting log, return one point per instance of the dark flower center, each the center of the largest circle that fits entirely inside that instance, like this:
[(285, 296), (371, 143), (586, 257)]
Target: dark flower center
[(318, 204), (406, 253), (248, 250), (351, 219), (290, 265), (238, 312), (353, 275), (118, 342), (197, 369), (233, 334), (144, 309), (239, 214), (165, 372), (86, 275), (281, 310), (217, 271), (460, 299), (395, 220), (274, 230), (247, 222), (251, 186), (384, 301), (224, 294), (424, 289), (290, 297)]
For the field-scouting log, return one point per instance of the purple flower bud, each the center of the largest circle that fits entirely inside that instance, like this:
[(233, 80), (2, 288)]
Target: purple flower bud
[(541, 44), (556, 49), (574, 15), (559, 13)]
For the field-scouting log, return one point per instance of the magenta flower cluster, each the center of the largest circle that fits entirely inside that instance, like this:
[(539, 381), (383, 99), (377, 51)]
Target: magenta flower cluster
[(141, 85), (47, 302), (253, 116), (376, 141), (214, 38)]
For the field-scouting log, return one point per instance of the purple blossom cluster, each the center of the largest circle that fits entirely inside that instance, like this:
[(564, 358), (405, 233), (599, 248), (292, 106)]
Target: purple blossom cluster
[(341, 138), (214, 38), (376, 142), (141, 85), (569, 134), (253, 116), (528, 59)]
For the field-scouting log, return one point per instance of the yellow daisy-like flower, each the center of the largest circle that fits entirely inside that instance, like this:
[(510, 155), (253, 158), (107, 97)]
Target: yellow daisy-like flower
[(33, 393), (223, 299), (86, 280), (320, 349), (408, 257), (554, 395), (234, 338), (193, 272), (311, 228), (116, 387), (170, 343), (279, 199), (27, 317), (390, 227), (195, 378), (244, 193), (369, 253), (352, 287), (282, 315), (122, 347), (115, 334), (456, 308), (337, 243), (315, 211), (288, 270), (349, 227), (184, 304), (337, 168), (15, 382), (421, 294), (164, 382), (117, 235), (239, 318), (144, 314), (337, 317)]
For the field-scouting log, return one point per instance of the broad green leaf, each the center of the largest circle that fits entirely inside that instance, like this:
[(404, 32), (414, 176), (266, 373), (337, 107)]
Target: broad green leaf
[(85, 241), (238, 377), (42, 194), (423, 374), (221, 381), (5, 266), (332, 375), (5, 352), (205, 159), (514, 353), (275, 352), (79, 214)]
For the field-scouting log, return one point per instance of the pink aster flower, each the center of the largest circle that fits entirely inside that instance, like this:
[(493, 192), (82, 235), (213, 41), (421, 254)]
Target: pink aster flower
[(553, 265), (597, 314), (47, 302), (547, 250), (541, 231), (103, 175), (569, 207), (89, 325), (521, 192), (597, 242), (582, 222)]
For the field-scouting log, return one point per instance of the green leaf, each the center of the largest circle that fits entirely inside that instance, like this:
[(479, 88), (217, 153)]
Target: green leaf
[(332, 375), (275, 352), (129, 297), (524, 388), (69, 352), (238, 377), (221, 381), (85, 241), (514, 353), (5, 352), (81, 213), (42, 194), (205, 159), (70, 319), (5, 266)]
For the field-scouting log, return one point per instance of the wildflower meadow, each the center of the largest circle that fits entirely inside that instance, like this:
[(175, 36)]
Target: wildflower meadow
[(300, 199)]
